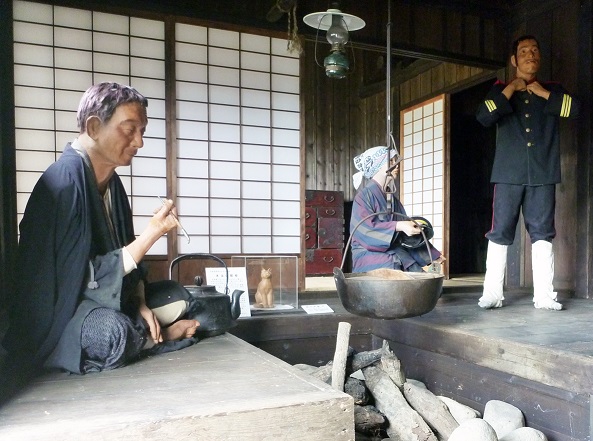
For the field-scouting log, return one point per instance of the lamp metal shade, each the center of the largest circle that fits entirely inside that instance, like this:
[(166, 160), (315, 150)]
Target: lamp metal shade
[(323, 20)]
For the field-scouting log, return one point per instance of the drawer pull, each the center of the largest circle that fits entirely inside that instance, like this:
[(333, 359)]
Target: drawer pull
[(307, 215), (329, 198), (307, 236), (330, 212), (328, 259)]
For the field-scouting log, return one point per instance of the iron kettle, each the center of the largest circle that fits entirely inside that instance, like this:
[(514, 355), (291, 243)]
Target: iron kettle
[(217, 312)]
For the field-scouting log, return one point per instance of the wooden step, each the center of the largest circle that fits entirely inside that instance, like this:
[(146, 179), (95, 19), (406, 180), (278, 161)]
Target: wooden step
[(222, 388)]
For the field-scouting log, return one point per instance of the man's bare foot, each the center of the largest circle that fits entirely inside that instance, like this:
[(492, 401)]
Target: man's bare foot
[(180, 329)]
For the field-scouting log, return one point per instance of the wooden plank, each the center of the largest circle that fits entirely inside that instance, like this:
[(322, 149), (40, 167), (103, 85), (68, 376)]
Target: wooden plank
[(220, 388)]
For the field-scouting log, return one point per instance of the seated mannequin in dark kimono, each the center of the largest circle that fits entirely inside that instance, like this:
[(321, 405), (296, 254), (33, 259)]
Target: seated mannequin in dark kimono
[(376, 243), (80, 300)]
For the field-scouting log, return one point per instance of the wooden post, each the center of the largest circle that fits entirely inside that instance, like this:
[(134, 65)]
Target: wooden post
[(340, 356)]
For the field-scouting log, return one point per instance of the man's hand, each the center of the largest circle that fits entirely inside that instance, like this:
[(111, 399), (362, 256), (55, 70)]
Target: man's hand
[(153, 324), (538, 90), (408, 227)]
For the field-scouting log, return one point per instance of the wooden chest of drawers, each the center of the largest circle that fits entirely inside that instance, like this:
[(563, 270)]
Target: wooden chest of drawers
[(324, 231)]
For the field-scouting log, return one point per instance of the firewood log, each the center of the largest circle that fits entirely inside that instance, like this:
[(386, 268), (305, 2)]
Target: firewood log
[(405, 424), (434, 411), (368, 420), (392, 366), (357, 390)]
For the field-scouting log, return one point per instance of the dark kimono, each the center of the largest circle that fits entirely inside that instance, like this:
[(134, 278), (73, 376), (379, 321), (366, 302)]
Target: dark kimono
[(64, 239), (374, 243)]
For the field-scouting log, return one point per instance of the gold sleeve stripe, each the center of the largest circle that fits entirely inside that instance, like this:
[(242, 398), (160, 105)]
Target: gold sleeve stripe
[(491, 106), (566, 104)]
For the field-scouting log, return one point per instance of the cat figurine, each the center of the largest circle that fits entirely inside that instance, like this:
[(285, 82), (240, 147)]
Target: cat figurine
[(264, 296)]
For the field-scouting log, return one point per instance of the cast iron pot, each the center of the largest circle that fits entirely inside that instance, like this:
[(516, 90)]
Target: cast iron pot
[(217, 312)]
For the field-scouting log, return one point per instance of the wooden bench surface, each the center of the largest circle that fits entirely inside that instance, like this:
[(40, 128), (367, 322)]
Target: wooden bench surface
[(221, 388)]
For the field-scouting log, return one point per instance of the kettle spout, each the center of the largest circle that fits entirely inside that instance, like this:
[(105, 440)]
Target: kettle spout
[(235, 305)]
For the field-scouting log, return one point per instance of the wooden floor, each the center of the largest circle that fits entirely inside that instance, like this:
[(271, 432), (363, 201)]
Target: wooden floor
[(540, 361)]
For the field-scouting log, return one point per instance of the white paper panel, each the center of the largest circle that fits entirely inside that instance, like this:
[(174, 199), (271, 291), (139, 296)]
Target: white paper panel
[(25, 181), (225, 132), (286, 155), (254, 208), (225, 207), (73, 38), (193, 187), (193, 169), (33, 76), (225, 244), (21, 203), (155, 128), (286, 191), (224, 170), (223, 57), (31, 11), (192, 92), (149, 88), (143, 186), (255, 43), (283, 101), (286, 245), (141, 27), (256, 227), (286, 209), (256, 172), (279, 48), (149, 167), (222, 38), (286, 173), (33, 33), (286, 120), (220, 151), (224, 226), (65, 121), (224, 95), (34, 119), (257, 245), (191, 53), (192, 130), (68, 16), (31, 54), (191, 110), (191, 34), (225, 114), (285, 83), (67, 100), (256, 153), (256, 135), (288, 138), (253, 61), (225, 189), (145, 67), (284, 65), (111, 43), (73, 80), (256, 190), (255, 80), (286, 227), (193, 206), (34, 140), (34, 161), (192, 149), (255, 98), (224, 76), (143, 47), (255, 117), (119, 64), (33, 97)]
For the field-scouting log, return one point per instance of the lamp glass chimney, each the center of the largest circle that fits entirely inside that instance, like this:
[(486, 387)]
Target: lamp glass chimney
[(337, 35)]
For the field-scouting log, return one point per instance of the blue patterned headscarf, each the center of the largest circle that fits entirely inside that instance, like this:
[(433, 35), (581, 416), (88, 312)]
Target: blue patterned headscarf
[(369, 163)]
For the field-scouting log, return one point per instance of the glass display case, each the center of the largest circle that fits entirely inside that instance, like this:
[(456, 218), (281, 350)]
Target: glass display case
[(272, 282)]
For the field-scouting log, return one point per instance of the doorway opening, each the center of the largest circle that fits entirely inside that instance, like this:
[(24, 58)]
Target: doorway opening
[(470, 195)]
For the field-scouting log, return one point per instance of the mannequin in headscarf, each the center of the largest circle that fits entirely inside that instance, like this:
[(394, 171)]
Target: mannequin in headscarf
[(375, 242)]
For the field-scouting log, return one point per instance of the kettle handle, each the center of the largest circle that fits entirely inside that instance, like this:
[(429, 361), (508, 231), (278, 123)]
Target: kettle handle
[(200, 256)]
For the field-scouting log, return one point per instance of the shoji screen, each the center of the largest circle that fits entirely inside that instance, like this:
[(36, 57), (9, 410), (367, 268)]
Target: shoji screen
[(238, 142), (59, 52), (422, 190), (237, 120)]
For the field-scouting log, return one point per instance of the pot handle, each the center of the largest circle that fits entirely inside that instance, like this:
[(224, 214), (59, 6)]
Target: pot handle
[(192, 256)]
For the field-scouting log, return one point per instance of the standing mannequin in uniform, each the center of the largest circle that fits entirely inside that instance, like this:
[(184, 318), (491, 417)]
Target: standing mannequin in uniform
[(526, 170)]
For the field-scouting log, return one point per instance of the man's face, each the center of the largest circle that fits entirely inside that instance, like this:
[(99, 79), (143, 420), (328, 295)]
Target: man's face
[(527, 58), (120, 138)]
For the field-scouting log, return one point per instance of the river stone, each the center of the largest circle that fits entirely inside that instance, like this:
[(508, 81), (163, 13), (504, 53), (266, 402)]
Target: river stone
[(460, 412), (524, 434), (503, 417), (475, 429)]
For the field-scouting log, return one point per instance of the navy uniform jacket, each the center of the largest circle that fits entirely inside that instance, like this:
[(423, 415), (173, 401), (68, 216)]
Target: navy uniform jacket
[(527, 138)]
